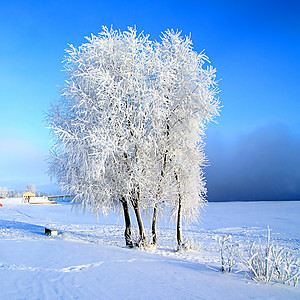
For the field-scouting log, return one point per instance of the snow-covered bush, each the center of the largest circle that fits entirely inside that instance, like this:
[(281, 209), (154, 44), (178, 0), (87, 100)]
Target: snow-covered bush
[(269, 262), (265, 262), (287, 267), (191, 244), (229, 252)]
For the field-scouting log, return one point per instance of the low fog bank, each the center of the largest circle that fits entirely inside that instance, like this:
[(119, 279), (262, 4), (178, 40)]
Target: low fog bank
[(262, 165)]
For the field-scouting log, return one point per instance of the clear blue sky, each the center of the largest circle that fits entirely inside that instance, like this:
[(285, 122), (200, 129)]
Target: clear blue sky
[(255, 46)]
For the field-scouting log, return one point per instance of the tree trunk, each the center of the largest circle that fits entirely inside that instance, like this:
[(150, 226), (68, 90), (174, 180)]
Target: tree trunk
[(142, 240), (154, 218), (179, 216), (127, 232), (155, 210), (179, 230)]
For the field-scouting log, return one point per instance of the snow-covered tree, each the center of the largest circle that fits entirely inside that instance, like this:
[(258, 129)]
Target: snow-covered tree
[(4, 192), (101, 125), (31, 188), (187, 92), (17, 193), (128, 128)]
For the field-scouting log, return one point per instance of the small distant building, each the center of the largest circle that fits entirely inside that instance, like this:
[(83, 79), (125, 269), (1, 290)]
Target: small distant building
[(27, 197)]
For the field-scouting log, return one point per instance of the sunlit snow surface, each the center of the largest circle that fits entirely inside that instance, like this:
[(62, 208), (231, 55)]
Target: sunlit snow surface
[(88, 260)]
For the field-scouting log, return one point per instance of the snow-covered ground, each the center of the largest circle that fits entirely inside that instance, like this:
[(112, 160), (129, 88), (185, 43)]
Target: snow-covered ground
[(88, 260)]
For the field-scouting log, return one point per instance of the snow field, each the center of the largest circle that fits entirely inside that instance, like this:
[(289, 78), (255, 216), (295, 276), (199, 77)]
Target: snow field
[(88, 259)]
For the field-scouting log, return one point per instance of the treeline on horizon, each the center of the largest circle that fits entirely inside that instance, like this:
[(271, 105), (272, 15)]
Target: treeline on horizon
[(16, 193)]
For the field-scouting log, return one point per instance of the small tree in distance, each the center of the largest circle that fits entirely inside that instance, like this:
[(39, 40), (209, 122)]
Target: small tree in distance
[(128, 129), (4, 192), (31, 188)]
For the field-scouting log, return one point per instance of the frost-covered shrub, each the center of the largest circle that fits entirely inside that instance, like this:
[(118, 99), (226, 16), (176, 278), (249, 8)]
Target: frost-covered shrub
[(265, 262), (229, 252), (270, 262), (191, 244), (287, 267)]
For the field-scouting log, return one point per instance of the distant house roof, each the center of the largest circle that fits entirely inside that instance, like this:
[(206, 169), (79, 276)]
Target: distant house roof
[(28, 194)]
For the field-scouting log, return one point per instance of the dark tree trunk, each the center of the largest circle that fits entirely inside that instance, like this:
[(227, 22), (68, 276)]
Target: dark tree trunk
[(179, 216), (179, 230), (155, 210), (154, 218), (142, 239), (127, 232)]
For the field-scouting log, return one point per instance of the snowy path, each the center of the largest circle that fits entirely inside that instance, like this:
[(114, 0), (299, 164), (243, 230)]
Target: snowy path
[(88, 261)]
